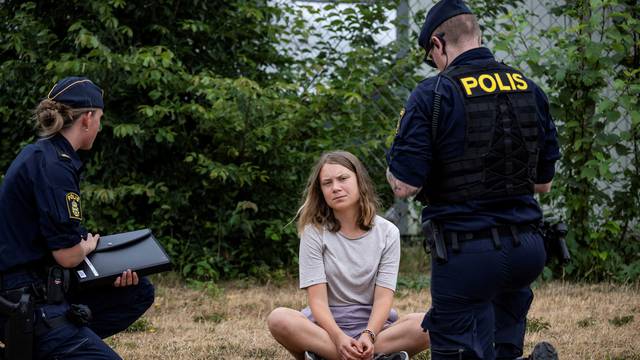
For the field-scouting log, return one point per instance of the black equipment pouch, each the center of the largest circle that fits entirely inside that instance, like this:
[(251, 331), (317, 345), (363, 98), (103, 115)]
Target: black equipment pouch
[(57, 284), (560, 230), (18, 328), (554, 233), (79, 315), (435, 239)]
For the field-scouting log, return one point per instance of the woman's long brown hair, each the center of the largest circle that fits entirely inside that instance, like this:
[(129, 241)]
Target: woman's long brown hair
[(314, 209)]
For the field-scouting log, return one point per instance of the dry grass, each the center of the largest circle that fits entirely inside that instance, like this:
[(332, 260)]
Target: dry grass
[(584, 321), (588, 321)]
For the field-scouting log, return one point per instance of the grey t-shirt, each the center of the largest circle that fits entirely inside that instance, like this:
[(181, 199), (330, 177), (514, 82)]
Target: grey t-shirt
[(350, 267)]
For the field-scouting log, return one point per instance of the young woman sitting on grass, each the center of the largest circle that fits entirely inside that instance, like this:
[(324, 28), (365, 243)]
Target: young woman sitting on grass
[(349, 259)]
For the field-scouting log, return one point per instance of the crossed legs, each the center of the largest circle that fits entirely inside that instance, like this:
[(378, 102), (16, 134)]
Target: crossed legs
[(298, 334)]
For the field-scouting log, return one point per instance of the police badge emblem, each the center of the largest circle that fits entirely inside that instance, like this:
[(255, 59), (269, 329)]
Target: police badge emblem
[(73, 205)]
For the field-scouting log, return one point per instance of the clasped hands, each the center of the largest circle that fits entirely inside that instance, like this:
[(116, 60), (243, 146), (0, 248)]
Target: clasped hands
[(355, 349)]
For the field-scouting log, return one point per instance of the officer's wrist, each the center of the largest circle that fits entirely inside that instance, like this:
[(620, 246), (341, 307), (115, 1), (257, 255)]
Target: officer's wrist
[(86, 247)]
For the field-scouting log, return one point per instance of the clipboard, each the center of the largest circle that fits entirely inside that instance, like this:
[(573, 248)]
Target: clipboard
[(137, 250)]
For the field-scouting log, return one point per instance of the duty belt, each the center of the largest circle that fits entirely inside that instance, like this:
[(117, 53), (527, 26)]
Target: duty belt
[(439, 240), (454, 238)]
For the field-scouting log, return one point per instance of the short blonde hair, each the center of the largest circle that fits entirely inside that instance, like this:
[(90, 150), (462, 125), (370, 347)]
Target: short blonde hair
[(316, 211), (461, 27)]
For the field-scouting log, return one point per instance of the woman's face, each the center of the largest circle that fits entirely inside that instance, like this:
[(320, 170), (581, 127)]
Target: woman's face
[(339, 186), (93, 127)]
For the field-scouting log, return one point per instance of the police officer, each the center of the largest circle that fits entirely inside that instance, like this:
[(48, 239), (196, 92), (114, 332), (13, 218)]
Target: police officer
[(475, 143), (41, 229)]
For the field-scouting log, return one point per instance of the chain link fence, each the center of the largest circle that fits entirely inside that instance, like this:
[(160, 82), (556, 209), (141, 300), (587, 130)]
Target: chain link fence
[(403, 24)]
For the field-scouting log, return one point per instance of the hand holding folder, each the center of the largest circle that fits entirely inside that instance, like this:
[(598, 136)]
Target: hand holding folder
[(136, 250)]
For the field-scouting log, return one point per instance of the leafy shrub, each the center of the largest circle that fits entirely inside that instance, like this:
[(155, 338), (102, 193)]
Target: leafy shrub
[(211, 125)]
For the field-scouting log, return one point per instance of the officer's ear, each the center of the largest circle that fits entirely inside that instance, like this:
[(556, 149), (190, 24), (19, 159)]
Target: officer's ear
[(85, 119), (434, 42), (441, 43)]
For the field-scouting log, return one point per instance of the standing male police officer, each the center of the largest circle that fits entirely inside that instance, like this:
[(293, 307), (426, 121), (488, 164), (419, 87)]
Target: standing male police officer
[(475, 143), (41, 234)]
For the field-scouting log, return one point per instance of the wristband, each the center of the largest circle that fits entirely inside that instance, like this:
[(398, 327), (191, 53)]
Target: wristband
[(371, 334)]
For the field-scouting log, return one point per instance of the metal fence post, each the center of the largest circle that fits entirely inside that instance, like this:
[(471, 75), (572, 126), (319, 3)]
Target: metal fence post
[(402, 29)]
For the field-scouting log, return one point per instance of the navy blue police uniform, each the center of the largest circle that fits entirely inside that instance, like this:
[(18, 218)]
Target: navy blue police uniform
[(40, 212), (493, 140)]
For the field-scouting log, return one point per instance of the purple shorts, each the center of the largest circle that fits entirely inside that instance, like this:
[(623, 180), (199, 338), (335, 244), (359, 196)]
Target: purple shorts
[(352, 319)]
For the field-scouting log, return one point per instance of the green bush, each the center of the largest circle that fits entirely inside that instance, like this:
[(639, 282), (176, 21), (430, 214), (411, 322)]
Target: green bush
[(211, 124), (216, 110), (589, 62)]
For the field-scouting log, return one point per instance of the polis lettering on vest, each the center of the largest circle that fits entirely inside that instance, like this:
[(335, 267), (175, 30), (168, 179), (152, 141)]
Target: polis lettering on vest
[(490, 83), (511, 81), (522, 85), (482, 80), (501, 85)]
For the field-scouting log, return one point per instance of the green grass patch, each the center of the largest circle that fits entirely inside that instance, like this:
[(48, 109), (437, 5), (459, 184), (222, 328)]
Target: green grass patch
[(413, 260), (621, 320), (586, 322), (213, 318), (259, 353), (535, 325), (414, 281), (415, 268), (211, 288), (425, 355), (625, 355), (140, 325)]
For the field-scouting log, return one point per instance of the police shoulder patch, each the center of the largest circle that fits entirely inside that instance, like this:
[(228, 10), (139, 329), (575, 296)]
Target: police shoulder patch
[(73, 205)]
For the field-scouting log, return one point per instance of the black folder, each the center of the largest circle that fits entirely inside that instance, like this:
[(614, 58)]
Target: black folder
[(136, 250)]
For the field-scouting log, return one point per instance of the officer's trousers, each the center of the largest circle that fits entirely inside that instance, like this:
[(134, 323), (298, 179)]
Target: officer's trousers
[(113, 309), (481, 296)]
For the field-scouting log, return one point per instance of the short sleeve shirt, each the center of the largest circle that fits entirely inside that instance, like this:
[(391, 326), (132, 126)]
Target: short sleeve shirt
[(40, 206), (351, 268)]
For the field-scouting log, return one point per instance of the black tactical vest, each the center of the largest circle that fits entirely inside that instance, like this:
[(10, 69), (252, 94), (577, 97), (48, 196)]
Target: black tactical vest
[(501, 137)]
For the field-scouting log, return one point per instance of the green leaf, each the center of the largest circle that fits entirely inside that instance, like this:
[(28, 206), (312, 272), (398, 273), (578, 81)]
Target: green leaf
[(588, 173), (635, 117)]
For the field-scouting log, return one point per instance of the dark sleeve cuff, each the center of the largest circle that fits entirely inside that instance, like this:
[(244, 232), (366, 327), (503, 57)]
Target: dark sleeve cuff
[(406, 171), (63, 241), (546, 170)]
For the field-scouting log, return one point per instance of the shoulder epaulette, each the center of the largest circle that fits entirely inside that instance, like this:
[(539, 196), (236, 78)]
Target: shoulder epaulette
[(64, 156)]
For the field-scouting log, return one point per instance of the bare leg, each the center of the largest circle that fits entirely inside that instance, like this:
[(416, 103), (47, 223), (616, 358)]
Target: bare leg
[(298, 334), (405, 334)]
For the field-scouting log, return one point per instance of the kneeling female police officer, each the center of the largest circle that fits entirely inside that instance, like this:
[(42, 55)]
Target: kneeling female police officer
[(41, 226)]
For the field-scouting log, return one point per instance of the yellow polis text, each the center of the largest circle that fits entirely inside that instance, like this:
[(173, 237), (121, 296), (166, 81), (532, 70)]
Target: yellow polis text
[(490, 83)]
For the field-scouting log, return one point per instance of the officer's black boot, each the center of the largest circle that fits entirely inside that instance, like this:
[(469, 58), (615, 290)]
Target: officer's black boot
[(543, 351)]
